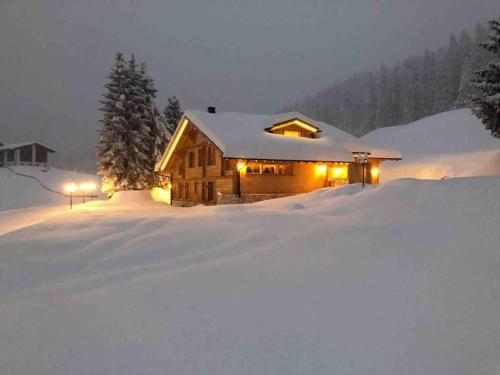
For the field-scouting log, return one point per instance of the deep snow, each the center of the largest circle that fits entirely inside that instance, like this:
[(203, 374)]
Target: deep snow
[(19, 192), (449, 144), (400, 278)]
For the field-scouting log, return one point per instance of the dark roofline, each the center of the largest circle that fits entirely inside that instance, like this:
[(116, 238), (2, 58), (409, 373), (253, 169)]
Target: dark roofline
[(15, 146)]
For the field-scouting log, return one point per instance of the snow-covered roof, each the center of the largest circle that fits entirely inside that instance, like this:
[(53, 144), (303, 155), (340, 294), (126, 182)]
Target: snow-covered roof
[(240, 135), (13, 146)]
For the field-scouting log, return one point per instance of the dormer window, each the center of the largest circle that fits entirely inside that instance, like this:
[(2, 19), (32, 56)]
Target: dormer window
[(294, 128), (291, 133)]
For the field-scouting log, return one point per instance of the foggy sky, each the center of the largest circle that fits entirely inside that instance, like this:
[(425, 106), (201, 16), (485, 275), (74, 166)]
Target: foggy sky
[(246, 55)]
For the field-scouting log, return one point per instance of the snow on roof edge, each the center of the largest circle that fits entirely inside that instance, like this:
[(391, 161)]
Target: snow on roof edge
[(251, 141), (13, 146)]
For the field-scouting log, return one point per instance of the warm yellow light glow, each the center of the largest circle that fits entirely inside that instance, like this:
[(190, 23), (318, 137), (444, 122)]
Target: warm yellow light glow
[(70, 187), (339, 172), (298, 123), (107, 187), (173, 143), (291, 133), (88, 186), (161, 194), (320, 169), (240, 165), (375, 172)]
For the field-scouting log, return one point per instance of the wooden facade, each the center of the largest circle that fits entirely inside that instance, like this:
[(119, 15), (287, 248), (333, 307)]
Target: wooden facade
[(199, 173), (34, 154)]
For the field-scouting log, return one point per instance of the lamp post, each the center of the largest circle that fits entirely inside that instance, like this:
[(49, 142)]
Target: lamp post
[(361, 158), (70, 188), (239, 167), (86, 187)]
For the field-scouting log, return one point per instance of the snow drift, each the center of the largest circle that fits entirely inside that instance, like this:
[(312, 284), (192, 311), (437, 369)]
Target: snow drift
[(449, 144), (17, 191), (396, 278)]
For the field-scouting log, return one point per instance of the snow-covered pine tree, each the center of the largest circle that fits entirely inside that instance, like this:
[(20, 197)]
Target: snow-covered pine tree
[(111, 146), (172, 114), (486, 106), (159, 136), (133, 132), (136, 150)]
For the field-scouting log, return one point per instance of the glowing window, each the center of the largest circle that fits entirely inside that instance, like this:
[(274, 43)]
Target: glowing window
[(338, 171), (291, 133), (269, 169), (253, 168)]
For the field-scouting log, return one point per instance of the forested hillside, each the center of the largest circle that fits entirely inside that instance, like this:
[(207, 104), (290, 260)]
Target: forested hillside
[(414, 88)]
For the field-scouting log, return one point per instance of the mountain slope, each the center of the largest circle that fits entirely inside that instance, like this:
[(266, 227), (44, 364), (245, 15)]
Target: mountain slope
[(453, 131), (450, 144)]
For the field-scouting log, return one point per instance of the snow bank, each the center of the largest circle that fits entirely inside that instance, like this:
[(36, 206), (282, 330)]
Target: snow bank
[(131, 196), (449, 144), (437, 166), (390, 279), (448, 132), (18, 192)]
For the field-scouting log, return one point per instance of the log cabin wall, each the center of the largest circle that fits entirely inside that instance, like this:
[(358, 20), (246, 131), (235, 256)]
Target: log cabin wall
[(302, 178), (198, 170)]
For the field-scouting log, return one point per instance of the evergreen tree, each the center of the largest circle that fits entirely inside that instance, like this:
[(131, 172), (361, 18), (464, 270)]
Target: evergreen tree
[(419, 86), (172, 114), (159, 136), (130, 137), (112, 165), (486, 106)]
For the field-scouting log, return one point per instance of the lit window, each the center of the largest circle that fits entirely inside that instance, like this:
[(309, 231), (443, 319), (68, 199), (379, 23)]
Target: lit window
[(269, 169), (285, 169), (253, 168), (338, 171), (291, 133)]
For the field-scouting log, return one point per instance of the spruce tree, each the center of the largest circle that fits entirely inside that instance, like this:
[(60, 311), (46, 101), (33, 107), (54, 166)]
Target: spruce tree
[(159, 136), (129, 140), (172, 114), (112, 163), (486, 106)]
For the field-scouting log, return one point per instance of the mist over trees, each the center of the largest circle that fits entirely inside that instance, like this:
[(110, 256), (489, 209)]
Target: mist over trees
[(414, 88)]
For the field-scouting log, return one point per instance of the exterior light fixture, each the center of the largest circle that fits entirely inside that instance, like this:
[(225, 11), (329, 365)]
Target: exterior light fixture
[(70, 188), (240, 165), (361, 158), (85, 187)]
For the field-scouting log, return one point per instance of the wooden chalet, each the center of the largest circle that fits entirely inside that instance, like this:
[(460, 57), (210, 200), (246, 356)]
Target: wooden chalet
[(26, 153), (242, 158)]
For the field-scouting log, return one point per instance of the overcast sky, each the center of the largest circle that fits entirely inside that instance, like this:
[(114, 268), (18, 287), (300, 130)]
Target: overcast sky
[(240, 55)]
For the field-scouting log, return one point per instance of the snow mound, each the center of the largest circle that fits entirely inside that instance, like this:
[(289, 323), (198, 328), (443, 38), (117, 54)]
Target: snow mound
[(19, 192), (389, 279), (131, 196), (449, 144), (448, 132)]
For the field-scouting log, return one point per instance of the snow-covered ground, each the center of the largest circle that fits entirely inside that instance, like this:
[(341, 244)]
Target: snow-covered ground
[(400, 278), (18, 192), (449, 144)]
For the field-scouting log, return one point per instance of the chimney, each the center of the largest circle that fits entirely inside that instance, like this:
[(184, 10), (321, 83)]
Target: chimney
[(211, 109)]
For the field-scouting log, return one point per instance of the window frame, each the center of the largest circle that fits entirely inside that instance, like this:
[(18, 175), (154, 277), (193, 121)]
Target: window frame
[(190, 160)]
